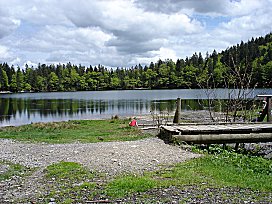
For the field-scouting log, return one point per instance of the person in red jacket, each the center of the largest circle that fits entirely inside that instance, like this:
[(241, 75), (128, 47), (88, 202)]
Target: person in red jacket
[(133, 123)]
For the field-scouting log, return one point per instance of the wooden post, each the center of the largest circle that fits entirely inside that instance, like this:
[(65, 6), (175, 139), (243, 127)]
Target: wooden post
[(236, 147), (177, 117), (269, 115), (268, 108)]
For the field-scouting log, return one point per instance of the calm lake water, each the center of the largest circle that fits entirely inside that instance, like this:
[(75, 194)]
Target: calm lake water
[(25, 108)]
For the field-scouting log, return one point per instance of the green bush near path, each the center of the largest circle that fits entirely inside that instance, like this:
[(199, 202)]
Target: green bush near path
[(85, 131)]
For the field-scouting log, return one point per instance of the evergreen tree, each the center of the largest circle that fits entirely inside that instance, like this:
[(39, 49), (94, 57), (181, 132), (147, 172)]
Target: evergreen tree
[(19, 80), (4, 83)]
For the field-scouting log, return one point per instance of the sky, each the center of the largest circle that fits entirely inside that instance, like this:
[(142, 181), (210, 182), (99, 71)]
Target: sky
[(123, 33)]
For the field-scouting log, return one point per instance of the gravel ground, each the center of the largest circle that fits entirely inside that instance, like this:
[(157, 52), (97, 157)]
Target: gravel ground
[(193, 194), (111, 158)]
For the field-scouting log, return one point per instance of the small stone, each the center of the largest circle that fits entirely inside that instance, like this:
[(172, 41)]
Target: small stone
[(155, 160)]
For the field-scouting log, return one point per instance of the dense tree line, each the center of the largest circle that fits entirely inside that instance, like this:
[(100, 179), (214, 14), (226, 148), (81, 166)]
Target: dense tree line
[(249, 62)]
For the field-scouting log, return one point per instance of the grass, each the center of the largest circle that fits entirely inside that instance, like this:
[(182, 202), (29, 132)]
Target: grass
[(228, 169), (69, 182), (85, 131), (237, 170), (12, 170), (124, 186)]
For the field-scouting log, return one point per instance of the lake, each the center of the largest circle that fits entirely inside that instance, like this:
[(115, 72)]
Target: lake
[(24, 108)]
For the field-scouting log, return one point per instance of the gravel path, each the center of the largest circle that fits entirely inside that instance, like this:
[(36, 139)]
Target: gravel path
[(111, 158), (108, 157)]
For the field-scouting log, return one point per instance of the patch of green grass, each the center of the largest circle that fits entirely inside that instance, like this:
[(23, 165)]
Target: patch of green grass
[(225, 169), (239, 170), (69, 182), (185, 174), (66, 170), (210, 171), (124, 186), (9, 170), (86, 131)]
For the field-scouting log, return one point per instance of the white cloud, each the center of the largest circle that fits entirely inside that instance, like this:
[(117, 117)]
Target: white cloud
[(125, 32), (246, 7), (30, 64), (207, 7), (7, 23), (135, 31), (4, 52), (6, 55)]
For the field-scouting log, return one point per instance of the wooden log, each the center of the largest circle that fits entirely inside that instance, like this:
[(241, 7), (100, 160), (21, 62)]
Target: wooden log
[(224, 138), (149, 128), (224, 129)]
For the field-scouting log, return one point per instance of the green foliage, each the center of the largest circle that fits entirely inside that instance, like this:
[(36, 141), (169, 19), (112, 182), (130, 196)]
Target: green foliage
[(53, 82), (13, 84), (71, 131), (4, 83)]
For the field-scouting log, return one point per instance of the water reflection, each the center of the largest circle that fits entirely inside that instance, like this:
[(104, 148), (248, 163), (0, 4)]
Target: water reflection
[(16, 111)]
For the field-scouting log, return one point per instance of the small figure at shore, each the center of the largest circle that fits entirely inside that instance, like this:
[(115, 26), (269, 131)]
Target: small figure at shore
[(133, 123)]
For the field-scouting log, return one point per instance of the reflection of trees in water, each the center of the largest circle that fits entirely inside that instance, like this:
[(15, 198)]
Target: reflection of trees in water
[(16, 107), (170, 105)]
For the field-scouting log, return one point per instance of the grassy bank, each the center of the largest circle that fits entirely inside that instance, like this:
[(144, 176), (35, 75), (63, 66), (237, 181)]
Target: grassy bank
[(86, 131)]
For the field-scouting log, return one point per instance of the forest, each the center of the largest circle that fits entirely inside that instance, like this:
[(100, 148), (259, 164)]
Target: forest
[(245, 65)]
